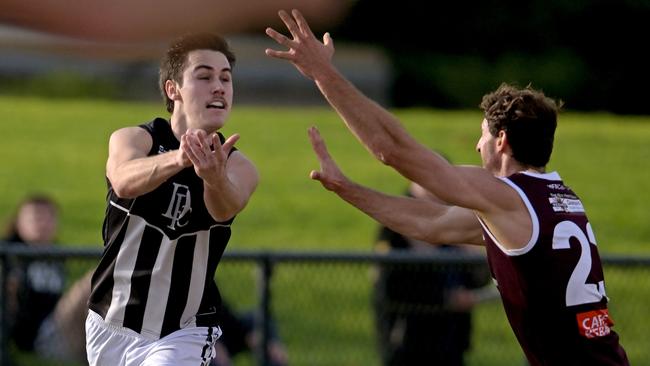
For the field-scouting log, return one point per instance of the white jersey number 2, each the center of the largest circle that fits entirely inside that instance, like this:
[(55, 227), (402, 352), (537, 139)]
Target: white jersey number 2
[(578, 290)]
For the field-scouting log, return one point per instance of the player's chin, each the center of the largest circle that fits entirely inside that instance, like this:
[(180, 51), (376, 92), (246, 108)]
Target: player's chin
[(216, 121)]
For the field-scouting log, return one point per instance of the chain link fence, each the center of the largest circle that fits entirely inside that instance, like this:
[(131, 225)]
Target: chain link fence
[(352, 308)]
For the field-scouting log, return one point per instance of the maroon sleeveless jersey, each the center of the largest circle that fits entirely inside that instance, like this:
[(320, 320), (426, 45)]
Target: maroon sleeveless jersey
[(553, 289)]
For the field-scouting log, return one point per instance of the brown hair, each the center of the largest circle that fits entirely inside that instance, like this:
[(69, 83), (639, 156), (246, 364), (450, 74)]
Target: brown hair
[(529, 119), (173, 63)]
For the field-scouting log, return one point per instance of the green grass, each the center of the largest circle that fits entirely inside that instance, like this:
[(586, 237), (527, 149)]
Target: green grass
[(59, 146)]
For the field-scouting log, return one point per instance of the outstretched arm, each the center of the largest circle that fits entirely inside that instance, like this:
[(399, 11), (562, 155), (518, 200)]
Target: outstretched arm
[(376, 128), (420, 219)]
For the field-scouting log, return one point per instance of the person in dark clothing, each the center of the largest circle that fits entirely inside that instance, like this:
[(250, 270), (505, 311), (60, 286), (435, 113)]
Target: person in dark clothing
[(34, 286), (423, 311)]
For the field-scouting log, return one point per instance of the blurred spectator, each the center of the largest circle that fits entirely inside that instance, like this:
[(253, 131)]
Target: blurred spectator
[(41, 318), (240, 336), (423, 311)]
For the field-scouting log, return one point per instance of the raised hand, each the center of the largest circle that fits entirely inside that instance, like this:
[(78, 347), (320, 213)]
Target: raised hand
[(329, 174), (207, 154), (307, 53)]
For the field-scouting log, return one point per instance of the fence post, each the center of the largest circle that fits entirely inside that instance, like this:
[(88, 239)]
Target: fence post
[(4, 329), (263, 320)]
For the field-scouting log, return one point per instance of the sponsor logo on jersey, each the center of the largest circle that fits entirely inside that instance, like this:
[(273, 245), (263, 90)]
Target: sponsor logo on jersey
[(565, 203), (557, 186), (593, 324), (161, 149)]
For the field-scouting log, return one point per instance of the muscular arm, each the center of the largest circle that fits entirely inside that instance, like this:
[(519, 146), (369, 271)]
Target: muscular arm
[(376, 128), (131, 172), (472, 188), (417, 218)]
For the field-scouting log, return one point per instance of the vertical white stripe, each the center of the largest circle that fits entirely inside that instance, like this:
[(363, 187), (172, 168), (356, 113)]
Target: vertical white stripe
[(159, 288), (124, 266), (197, 283)]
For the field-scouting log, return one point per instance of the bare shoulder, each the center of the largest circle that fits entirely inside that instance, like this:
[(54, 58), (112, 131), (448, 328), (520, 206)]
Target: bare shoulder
[(502, 209), (493, 193), (239, 157), (131, 138), (242, 169), (129, 133)]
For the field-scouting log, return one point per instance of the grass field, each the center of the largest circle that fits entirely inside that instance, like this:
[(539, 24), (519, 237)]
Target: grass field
[(59, 146)]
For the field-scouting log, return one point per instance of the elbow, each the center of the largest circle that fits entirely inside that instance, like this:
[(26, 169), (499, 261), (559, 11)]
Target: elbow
[(427, 236), (388, 155), (124, 190), (223, 216), (389, 148), (430, 233), (225, 213)]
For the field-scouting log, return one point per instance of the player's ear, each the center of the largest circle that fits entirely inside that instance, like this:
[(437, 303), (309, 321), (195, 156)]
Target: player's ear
[(171, 89), (502, 140)]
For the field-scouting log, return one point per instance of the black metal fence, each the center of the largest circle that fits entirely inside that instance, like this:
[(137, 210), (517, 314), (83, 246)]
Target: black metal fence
[(324, 305)]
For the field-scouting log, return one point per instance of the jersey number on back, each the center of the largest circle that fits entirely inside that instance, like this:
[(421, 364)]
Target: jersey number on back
[(578, 290)]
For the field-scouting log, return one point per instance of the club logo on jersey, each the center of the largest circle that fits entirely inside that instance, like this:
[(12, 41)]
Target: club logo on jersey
[(593, 324), (180, 205)]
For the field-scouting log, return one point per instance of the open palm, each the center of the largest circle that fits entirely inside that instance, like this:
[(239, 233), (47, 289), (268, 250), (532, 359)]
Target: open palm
[(329, 174)]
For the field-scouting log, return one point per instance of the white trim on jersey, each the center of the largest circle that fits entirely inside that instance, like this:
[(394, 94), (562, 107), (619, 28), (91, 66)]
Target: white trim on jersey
[(534, 221), (545, 176), (119, 207)]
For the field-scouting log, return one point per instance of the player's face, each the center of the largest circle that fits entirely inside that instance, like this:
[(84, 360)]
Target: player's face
[(486, 146), (207, 90)]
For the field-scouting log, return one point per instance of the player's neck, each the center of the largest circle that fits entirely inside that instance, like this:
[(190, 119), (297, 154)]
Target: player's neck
[(179, 124), (510, 166)]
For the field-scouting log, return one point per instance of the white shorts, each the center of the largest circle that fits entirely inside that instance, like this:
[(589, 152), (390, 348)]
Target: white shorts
[(107, 344)]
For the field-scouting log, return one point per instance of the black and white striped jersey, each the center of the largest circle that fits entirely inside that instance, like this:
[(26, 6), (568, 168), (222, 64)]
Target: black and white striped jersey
[(161, 251)]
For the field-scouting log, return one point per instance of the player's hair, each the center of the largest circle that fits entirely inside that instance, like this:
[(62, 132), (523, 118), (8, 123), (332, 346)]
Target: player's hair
[(529, 119), (173, 63)]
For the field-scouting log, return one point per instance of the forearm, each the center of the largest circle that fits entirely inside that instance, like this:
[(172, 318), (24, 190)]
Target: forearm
[(223, 199), (385, 137), (414, 218), (376, 128), (140, 176)]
